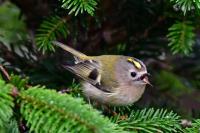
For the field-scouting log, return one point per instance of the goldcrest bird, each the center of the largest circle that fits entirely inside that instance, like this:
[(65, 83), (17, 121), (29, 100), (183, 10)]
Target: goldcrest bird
[(109, 79)]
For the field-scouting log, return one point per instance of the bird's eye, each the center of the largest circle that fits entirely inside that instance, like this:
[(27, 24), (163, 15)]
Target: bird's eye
[(133, 74)]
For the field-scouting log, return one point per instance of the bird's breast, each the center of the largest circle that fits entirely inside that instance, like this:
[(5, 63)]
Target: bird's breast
[(123, 95), (126, 95)]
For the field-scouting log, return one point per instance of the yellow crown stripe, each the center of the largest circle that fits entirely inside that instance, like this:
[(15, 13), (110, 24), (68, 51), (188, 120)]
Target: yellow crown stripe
[(135, 63)]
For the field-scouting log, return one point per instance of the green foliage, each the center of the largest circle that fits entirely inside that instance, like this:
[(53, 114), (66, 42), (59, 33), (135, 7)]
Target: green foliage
[(167, 80), (187, 5), (12, 29), (140, 25), (120, 48), (48, 111), (195, 128), (75, 90), (10, 127), (181, 37), (6, 103), (49, 30), (18, 81), (79, 6), (151, 121)]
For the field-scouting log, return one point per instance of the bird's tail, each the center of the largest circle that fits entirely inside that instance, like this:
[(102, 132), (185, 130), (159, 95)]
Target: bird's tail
[(71, 50)]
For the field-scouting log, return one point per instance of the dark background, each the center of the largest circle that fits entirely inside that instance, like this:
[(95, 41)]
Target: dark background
[(136, 28)]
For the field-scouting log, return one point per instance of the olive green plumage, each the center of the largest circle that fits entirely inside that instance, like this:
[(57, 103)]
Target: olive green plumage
[(109, 79)]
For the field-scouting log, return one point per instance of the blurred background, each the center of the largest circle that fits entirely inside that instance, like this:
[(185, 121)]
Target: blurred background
[(164, 34)]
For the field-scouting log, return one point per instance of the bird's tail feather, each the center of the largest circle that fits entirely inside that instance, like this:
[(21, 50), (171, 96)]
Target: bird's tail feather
[(71, 50)]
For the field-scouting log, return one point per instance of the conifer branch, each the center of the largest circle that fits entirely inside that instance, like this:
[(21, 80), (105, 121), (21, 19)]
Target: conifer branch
[(49, 111), (49, 30), (151, 121), (79, 6), (187, 5), (181, 37), (6, 103), (195, 128)]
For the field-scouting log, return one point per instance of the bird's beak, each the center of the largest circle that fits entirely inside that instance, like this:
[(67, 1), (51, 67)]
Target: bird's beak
[(145, 79)]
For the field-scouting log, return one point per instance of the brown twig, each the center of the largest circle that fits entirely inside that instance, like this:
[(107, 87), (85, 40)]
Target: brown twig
[(14, 92), (5, 72)]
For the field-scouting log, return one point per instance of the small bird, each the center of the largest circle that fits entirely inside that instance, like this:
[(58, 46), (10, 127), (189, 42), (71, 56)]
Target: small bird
[(109, 79)]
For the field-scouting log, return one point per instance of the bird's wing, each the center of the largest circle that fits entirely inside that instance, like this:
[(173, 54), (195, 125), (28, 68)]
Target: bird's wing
[(88, 70), (84, 66)]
